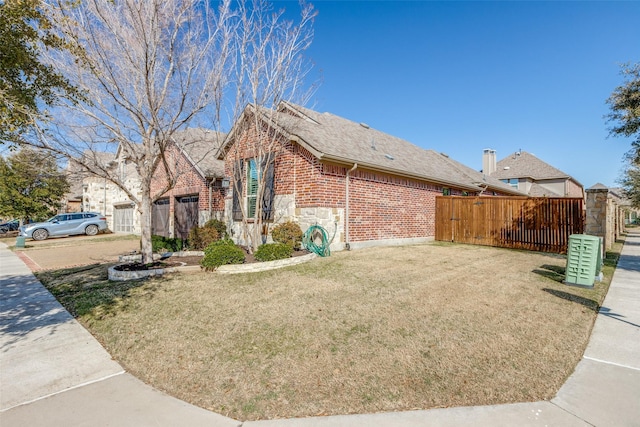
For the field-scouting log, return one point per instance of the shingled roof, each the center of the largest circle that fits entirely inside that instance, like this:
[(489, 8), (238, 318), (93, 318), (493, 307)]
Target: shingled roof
[(201, 147), (525, 165), (333, 138)]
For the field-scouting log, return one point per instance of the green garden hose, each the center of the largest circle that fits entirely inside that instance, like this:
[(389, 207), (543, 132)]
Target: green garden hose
[(314, 233)]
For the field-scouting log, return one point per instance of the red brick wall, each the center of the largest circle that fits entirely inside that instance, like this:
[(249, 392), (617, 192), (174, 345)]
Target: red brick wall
[(386, 207), (381, 206), (189, 182)]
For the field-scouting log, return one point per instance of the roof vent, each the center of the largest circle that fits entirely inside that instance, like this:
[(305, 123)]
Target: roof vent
[(507, 168), (389, 156), (444, 155), (364, 125)]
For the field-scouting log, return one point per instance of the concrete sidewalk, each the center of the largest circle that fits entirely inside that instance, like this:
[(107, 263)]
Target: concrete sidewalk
[(54, 373)]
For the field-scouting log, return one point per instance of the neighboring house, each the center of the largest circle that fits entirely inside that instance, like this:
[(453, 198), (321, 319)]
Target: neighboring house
[(367, 187), (534, 177), (72, 201), (196, 191), (101, 195)]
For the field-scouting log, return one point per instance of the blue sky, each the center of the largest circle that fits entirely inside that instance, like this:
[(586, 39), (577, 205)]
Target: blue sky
[(458, 77)]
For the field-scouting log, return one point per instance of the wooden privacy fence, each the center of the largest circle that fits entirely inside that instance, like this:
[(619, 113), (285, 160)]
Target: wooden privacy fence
[(537, 224)]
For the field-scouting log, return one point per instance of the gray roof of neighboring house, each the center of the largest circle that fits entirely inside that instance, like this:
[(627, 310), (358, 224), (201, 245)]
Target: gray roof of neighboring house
[(333, 138), (201, 147), (525, 165)]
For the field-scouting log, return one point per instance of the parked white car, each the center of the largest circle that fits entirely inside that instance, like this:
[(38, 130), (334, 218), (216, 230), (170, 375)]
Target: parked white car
[(89, 223)]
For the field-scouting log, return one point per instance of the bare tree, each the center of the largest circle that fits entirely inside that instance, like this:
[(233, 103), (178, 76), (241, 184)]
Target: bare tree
[(269, 68), (148, 69), (151, 68)]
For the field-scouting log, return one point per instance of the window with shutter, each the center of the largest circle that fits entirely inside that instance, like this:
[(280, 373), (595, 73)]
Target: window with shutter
[(253, 172), (253, 178)]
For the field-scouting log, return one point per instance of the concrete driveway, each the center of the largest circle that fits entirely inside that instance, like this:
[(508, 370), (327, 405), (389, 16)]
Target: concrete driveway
[(64, 252)]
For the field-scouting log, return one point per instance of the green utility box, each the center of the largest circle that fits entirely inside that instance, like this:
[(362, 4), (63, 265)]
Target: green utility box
[(20, 242), (584, 260)]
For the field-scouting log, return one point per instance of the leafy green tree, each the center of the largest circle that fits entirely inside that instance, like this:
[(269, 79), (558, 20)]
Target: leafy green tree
[(25, 81), (31, 185), (624, 103), (631, 184)]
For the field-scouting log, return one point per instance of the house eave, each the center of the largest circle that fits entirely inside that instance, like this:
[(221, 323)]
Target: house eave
[(363, 165)]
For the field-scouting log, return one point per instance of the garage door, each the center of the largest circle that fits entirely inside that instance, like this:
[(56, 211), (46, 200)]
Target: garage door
[(123, 219), (186, 215), (160, 218)]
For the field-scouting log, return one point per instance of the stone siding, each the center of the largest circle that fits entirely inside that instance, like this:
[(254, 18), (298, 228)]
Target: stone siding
[(605, 217)]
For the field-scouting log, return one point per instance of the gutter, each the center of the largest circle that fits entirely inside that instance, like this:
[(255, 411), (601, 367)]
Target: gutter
[(347, 244)]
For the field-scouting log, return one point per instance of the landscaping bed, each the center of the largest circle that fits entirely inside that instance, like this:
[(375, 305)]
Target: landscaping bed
[(381, 329)]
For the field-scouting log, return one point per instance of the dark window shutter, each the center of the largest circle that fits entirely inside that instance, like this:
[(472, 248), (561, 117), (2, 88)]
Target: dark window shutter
[(237, 190), (269, 188)]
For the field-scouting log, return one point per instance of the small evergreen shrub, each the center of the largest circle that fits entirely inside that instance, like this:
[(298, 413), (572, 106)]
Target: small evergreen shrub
[(219, 226), (165, 244), (273, 251), (221, 252), (288, 233), (201, 237)]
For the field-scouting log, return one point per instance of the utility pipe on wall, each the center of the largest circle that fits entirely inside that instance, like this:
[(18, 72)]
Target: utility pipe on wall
[(210, 196), (347, 245)]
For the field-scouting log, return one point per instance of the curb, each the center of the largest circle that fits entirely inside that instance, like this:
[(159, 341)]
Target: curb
[(264, 266), (122, 276)]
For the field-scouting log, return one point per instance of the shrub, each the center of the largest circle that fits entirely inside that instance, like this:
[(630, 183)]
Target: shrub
[(165, 244), (201, 237), (221, 252), (288, 233), (273, 251), (219, 226)]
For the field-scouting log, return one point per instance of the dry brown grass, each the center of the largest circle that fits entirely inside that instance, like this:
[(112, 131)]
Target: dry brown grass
[(381, 329)]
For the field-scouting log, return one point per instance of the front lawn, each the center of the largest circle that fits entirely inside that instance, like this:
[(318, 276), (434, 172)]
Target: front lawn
[(382, 329)]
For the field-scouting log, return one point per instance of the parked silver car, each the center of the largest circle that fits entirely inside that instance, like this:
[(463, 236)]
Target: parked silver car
[(89, 223)]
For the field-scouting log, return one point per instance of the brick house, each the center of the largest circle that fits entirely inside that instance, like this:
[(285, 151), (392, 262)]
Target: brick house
[(196, 192), (363, 186), (531, 175)]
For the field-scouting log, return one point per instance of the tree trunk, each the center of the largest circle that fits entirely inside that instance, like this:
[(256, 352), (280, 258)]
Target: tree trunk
[(146, 248)]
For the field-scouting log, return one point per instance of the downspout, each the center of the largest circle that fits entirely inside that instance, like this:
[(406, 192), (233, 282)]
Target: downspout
[(347, 244), (210, 195)]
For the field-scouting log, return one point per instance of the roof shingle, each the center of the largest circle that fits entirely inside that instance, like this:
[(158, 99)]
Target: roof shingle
[(525, 165), (201, 147), (331, 137)]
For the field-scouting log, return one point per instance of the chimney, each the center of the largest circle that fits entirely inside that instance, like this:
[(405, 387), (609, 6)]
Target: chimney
[(488, 161)]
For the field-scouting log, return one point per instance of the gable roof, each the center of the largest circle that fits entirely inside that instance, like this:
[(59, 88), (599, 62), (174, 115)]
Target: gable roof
[(201, 146), (525, 165), (333, 138)]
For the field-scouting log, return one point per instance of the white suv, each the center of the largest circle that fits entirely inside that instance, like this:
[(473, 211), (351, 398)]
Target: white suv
[(89, 223)]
